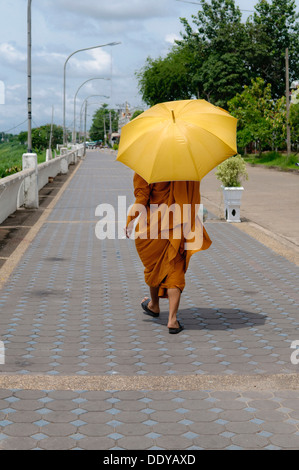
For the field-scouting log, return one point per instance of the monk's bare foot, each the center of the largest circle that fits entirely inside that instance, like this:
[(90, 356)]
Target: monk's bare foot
[(151, 306), (174, 324)]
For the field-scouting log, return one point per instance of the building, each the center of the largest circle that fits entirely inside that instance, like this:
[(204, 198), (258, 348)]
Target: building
[(125, 115)]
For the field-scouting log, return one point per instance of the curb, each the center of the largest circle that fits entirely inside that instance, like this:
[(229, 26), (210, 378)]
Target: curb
[(277, 243)]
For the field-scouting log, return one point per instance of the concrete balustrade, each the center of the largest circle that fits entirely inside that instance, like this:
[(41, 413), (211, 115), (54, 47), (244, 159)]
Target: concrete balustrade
[(21, 189), (12, 194), (30, 184)]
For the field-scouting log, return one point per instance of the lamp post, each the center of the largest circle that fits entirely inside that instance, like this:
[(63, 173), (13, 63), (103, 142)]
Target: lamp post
[(29, 159), (85, 117), (89, 80), (64, 77), (85, 101), (29, 138), (288, 103)]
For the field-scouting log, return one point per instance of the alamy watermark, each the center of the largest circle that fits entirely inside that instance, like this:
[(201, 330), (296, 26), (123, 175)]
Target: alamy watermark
[(295, 354), (2, 92), (2, 353), (154, 221)]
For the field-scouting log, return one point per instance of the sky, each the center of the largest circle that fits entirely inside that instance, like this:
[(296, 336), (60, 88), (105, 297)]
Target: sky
[(60, 27)]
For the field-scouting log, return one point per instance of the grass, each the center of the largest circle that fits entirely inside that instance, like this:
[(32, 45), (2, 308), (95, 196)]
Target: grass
[(11, 158), (274, 159)]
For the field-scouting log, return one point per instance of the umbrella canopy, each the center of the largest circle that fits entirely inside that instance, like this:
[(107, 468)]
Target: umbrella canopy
[(178, 141)]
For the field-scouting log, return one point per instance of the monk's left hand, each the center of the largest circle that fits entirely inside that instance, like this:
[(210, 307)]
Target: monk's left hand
[(128, 231)]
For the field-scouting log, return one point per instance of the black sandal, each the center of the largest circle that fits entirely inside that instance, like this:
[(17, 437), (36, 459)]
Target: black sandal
[(174, 331), (147, 311)]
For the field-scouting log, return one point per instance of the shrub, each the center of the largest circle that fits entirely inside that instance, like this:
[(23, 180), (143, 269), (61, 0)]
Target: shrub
[(12, 170), (232, 171)]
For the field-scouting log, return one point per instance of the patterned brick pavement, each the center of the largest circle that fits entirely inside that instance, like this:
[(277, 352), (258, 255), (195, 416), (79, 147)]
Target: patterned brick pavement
[(180, 420), (71, 309)]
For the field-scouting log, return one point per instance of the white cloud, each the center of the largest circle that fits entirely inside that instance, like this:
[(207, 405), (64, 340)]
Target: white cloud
[(15, 87), (49, 56), (99, 62), (10, 55), (113, 10), (59, 27), (170, 38), (15, 94)]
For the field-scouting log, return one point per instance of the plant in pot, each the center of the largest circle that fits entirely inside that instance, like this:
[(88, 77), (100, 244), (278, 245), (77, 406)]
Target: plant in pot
[(231, 173)]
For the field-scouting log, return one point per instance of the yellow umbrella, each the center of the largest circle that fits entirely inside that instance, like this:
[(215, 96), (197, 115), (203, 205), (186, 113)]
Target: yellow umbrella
[(178, 141)]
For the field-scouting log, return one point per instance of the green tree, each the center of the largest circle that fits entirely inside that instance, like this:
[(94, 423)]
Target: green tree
[(278, 118), (41, 136), (101, 123), (208, 62), (273, 28), (218, 54), (165, 79), (260, 118), (22, 137), (294, 124), (8, 138), (136, 113)]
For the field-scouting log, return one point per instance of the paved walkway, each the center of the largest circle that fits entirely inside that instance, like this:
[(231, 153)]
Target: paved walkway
[(269, 209), (84, 368)]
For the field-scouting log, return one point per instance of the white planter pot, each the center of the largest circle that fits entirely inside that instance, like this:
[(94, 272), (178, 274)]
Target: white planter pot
[(232, 202)]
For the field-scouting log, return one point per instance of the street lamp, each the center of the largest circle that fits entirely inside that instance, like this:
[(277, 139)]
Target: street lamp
[(85, 115), (81, 111), (64, 78), (29, 138), (89, 80)]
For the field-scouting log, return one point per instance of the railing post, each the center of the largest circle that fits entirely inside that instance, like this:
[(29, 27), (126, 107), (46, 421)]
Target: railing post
[(64, 168), (31, 201), (48, 155)]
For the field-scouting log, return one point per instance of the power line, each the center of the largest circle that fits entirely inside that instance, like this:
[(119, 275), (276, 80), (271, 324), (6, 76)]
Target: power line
[(5, 132), (184, 1), (196, 3)]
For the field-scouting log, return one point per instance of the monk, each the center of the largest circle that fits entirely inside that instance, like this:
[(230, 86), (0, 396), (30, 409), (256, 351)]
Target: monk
[(166, 257)]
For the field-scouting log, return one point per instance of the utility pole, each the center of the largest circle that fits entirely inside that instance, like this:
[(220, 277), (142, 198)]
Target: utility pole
[(51, 131), (85, 117), (110, 125), (288, 104), (29, 139), (104, 129)]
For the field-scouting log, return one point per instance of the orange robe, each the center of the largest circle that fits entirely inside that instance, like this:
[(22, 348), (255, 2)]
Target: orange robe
[(166, 260)]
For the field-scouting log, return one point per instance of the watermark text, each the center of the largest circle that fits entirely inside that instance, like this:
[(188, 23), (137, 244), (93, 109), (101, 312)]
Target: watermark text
[(2, 92), (295, 354), (154, 221), (2, 353)]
